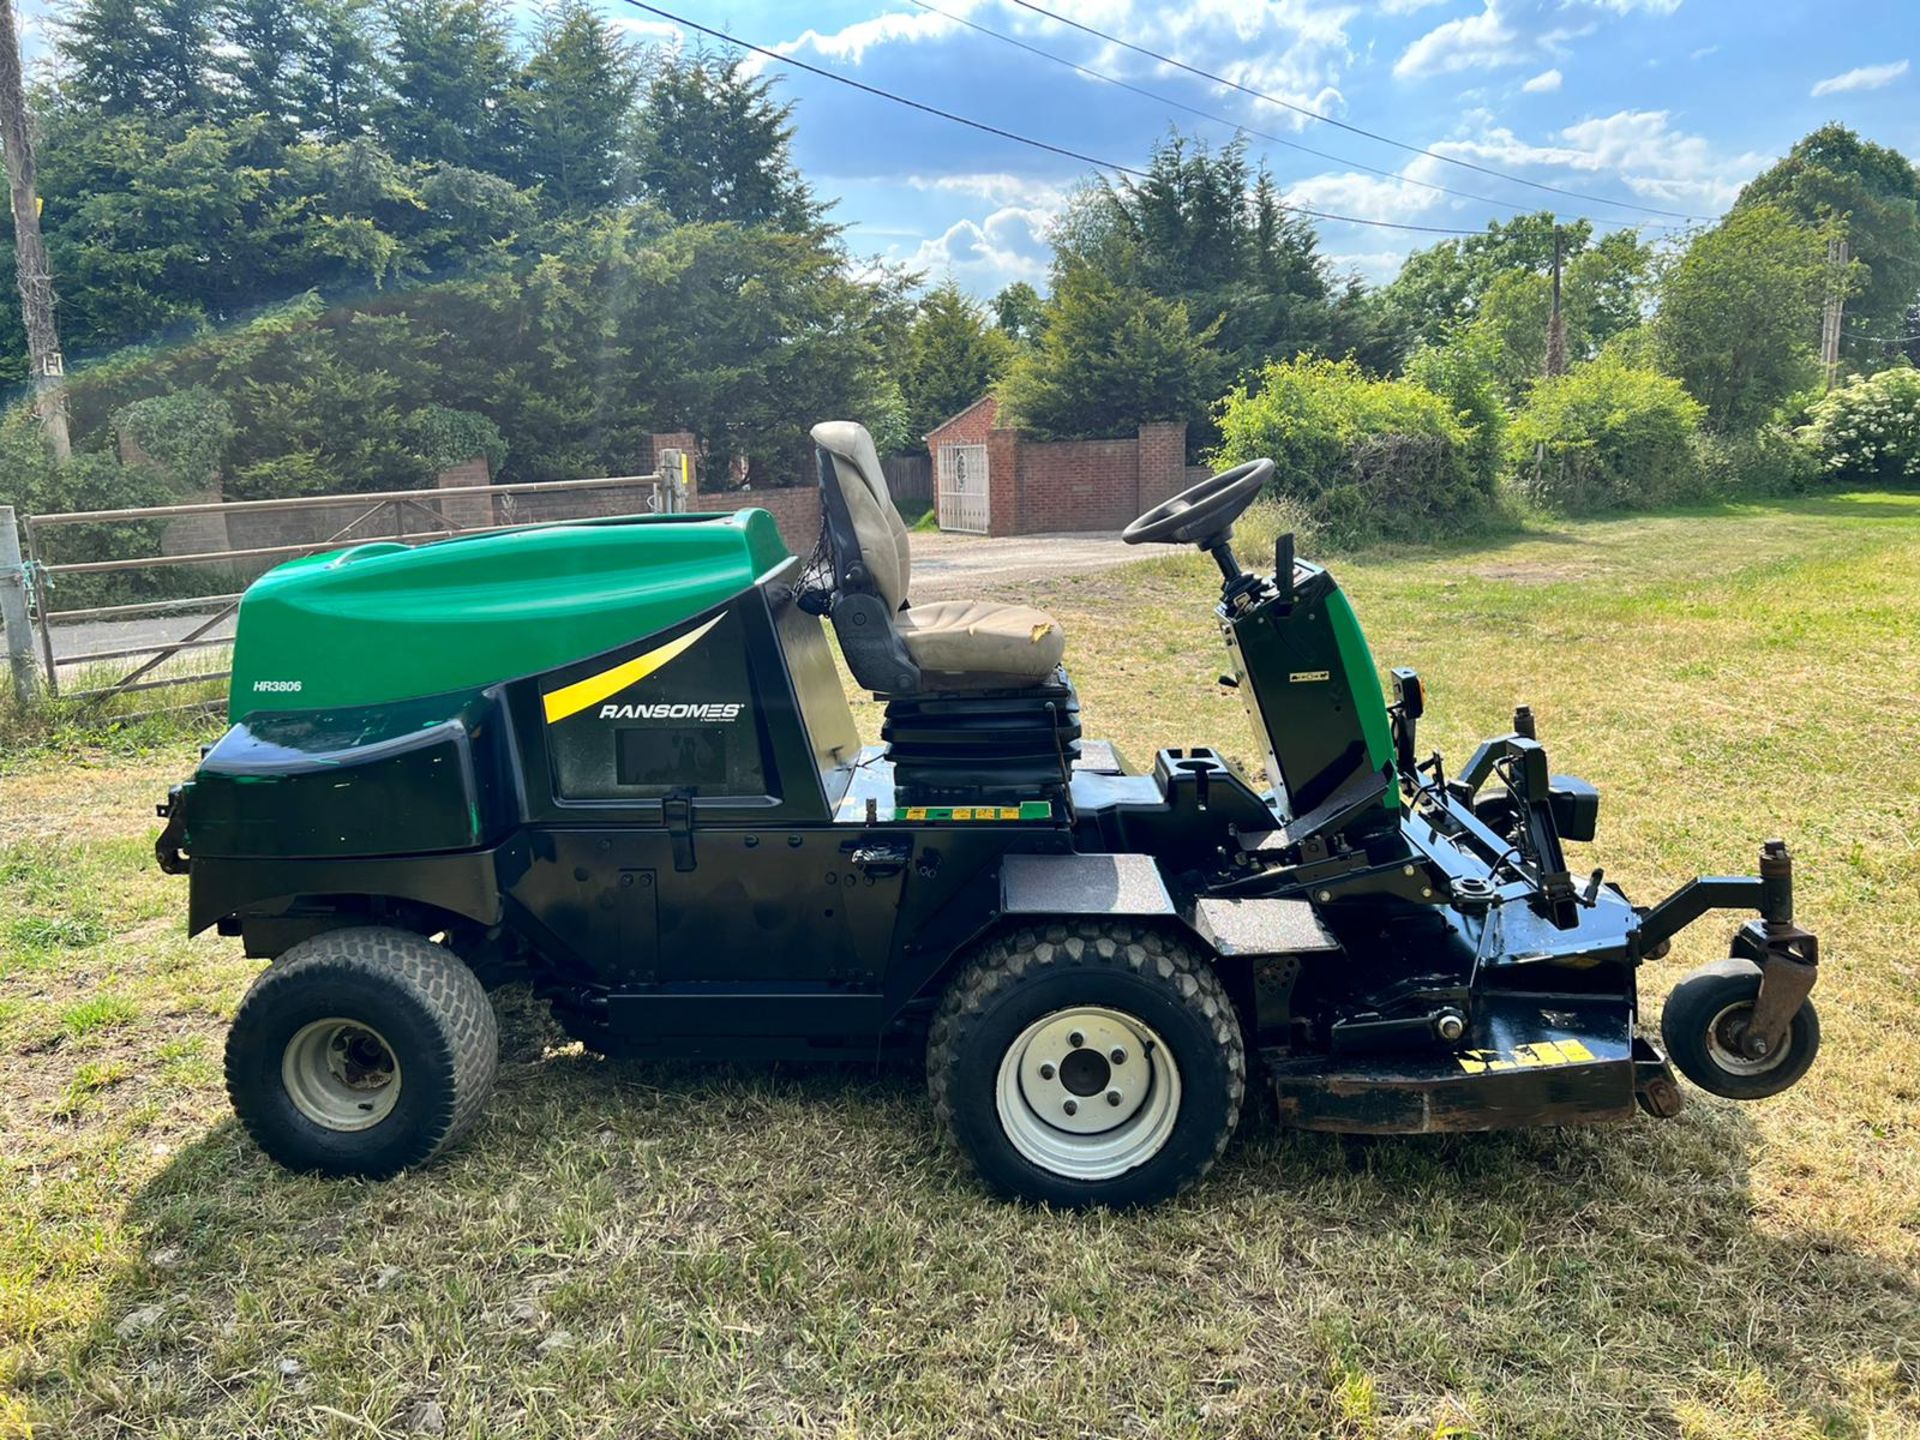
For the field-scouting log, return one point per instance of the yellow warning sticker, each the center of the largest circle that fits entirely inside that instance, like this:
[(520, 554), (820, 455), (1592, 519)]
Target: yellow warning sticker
[(1540, 1052)]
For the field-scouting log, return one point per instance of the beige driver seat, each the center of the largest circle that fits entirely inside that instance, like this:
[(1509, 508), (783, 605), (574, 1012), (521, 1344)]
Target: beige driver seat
[(955, 644)]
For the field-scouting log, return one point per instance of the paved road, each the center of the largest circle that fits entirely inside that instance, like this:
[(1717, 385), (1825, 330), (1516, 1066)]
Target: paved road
[(944, 567)]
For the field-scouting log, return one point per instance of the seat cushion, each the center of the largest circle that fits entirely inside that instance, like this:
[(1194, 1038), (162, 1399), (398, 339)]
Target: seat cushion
[(983, 641)]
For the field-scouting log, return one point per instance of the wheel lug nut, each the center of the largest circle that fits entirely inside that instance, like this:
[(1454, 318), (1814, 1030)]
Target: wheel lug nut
[(1076, 1039), (1046, 1072), (1072, 1107), (1118, 1057), (1113, 1097)]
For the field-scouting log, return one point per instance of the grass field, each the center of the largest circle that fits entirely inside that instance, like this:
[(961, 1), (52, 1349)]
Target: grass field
[(644, 1251)]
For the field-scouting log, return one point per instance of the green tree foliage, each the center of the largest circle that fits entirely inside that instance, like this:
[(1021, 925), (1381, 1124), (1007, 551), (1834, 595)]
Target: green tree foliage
[(1363, 457), (342, 73), (714, 146), (1739, 314), (1867, 432), (1466, 373), (148, 57), (1110, 357), (1502, 281), (1606, 437), (184, 432), (1204, 230), (452, 67), (1834, 181), (1019, 311), (264, 61), (953, 357), (573, 106)]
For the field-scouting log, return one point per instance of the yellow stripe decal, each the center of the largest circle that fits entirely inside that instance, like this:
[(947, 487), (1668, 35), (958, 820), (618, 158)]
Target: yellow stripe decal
[(572, 699)]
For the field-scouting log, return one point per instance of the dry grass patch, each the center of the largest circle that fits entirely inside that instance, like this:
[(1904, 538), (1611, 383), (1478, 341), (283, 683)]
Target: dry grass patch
[(667, 1251)]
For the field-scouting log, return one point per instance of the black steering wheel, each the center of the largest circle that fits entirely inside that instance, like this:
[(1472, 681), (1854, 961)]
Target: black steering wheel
[(1202, 514)]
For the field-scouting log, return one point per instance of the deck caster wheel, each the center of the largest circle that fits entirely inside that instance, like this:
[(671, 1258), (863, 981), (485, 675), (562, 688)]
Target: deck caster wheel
[(1702, 1028), (361, 1052), (1087, 1064)]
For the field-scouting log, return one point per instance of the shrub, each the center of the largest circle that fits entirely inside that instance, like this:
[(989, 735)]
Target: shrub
[(1466, 374), (1867, 432), (1606, 436), (446, 437), (1365, 458), (1767, 461), (185, 433)]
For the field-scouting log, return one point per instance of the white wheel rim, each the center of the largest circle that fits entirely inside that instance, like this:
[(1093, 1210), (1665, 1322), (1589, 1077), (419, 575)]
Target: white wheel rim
[(341, 1074), (1723, 1042), (1071, 1108)]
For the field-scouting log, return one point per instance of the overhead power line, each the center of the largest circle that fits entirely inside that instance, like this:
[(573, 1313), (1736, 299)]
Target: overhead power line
[(1005, 134), (1312, 114), (1214, 116)]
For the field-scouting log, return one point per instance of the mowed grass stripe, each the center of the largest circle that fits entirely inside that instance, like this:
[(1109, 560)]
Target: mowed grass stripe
[(789, 1252)]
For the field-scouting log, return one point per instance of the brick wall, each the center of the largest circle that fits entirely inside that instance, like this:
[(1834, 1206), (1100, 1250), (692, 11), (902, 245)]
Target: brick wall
[(970, 427), (795, 509), (1077, 485), (1036, 487)]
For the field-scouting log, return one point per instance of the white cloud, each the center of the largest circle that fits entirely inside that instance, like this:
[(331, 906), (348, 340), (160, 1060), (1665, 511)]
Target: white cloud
[(1372, 197), (1867, 77), (1406, 7), (1703, 52), (1638, 147), (644, 29), (852, 43), (1513, 32), (996, 187), (1293, 49), (1544, 83), (1010, 244), (1376, 267), (1471, 42)]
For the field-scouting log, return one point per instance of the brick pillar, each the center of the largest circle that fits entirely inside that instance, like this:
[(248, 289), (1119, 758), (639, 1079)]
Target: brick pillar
[(1003, 482), (466, 512), (1163, 463)]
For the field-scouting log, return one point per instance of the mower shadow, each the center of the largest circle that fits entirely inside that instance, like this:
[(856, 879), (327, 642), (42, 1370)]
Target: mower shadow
[(1642, 1241)]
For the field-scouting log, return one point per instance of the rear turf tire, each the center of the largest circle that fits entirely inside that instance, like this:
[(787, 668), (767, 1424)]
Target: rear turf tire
[(1022, 1002), (363, 1051), (1700, 1028)]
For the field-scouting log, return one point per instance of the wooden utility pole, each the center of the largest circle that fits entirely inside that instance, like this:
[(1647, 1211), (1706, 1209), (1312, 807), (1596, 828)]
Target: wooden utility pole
[(1556, 322), (1834, 310), (30, 251)]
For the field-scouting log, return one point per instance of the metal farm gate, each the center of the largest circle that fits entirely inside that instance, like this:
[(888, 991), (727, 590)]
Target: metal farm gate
[(962, 485), (95, 652)]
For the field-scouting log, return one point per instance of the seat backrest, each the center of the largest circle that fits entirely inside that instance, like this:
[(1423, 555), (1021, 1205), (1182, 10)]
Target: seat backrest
[(863, 527)]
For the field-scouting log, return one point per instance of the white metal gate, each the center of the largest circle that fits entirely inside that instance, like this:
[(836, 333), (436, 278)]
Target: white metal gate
[(962, 488)]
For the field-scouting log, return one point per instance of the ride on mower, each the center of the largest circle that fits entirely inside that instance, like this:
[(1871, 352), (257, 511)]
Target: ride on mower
[(614, 758)]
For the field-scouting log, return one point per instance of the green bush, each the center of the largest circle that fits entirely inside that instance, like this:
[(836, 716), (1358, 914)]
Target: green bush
[(1867, 431), (1365, 458), (1767, 461), (1607, 436), (1466, 374), (184, 432)]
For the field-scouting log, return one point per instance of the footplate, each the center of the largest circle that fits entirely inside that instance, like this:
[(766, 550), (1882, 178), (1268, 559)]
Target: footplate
[(1523, 1063)]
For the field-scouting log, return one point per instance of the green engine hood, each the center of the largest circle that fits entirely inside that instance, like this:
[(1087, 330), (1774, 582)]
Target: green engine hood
[(385, 622)]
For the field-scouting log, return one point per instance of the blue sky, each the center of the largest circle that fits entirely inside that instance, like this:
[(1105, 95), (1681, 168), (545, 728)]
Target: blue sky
[(1665, 103)]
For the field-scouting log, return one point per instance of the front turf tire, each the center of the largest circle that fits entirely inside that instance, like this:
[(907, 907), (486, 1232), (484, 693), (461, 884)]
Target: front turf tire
[(361, 1051), (1084, 989), (1700, 1026)]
